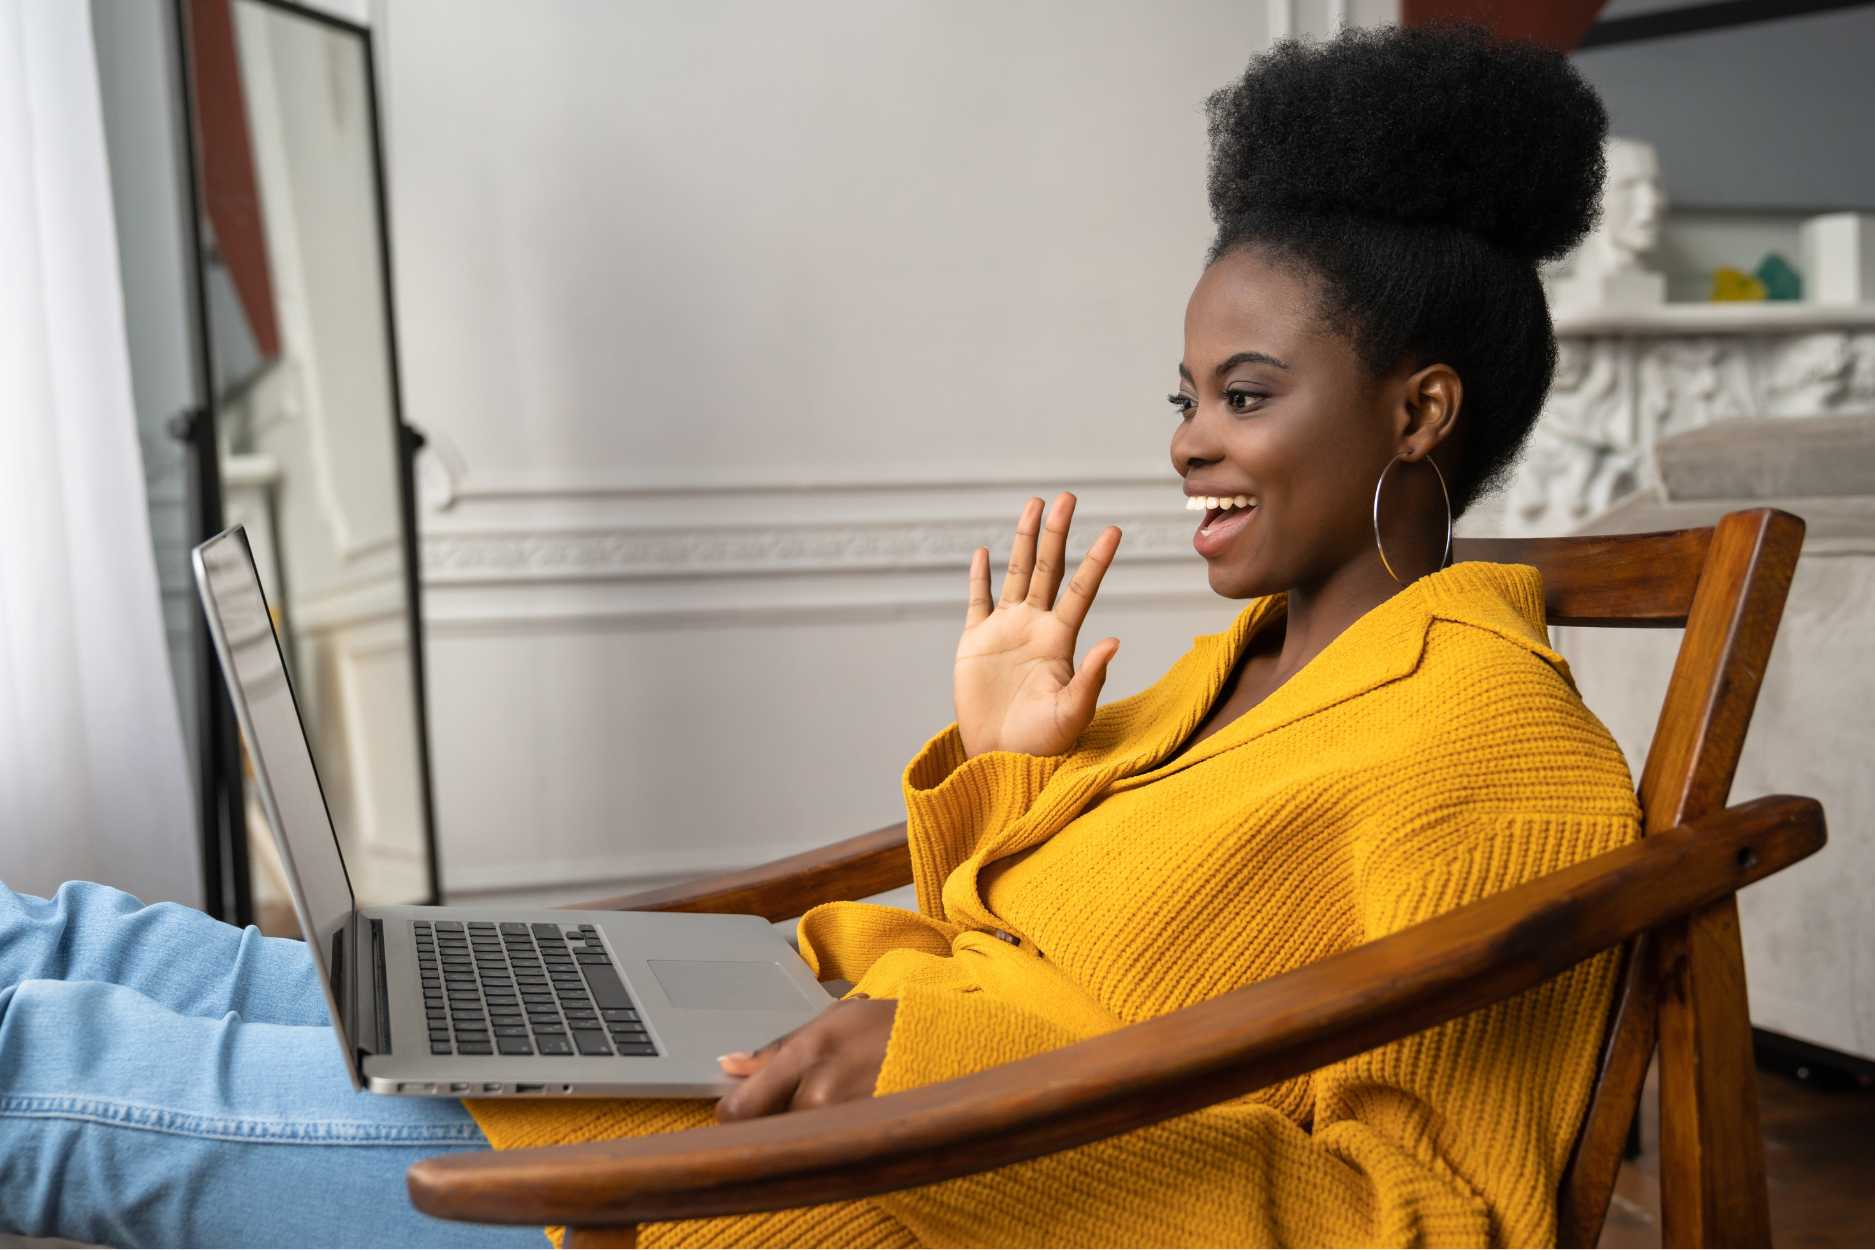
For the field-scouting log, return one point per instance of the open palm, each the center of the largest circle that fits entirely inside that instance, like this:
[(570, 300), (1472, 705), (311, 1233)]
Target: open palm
[(1015, 684)]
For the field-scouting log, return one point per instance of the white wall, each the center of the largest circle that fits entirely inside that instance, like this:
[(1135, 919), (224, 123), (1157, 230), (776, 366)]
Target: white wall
[(1758, 127), (735, 327), (1761, 115), (738, 240)]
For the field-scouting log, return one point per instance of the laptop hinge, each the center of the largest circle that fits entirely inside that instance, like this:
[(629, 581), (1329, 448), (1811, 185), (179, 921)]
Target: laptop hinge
[(380, 991), (342, 990), (361, 997)]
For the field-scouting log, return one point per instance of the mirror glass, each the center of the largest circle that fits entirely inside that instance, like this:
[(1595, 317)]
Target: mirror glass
[(307, 418)]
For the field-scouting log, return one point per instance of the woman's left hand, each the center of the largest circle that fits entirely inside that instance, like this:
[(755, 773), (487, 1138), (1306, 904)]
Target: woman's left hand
[(832, 1058)]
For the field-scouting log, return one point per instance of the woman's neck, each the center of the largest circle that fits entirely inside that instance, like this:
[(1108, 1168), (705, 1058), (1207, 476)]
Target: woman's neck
[(1318, 613)]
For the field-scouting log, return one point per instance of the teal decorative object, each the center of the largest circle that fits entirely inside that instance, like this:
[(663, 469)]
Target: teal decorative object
[(1781, 280)]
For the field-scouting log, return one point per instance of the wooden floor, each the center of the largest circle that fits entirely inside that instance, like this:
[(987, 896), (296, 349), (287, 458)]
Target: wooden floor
[(1819, 1155)]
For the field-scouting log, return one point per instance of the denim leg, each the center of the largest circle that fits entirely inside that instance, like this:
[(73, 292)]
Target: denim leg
[(123, 1122), (182, 958)]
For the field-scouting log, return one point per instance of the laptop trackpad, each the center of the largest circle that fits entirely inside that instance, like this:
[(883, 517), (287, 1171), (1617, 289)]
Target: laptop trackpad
[(726, 984)]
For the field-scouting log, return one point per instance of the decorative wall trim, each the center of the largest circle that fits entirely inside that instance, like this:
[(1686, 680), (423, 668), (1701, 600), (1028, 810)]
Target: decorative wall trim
[(491, 556), (589, 552)]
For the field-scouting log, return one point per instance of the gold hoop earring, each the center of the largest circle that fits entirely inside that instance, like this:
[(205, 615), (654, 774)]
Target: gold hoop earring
[(1384, 563)]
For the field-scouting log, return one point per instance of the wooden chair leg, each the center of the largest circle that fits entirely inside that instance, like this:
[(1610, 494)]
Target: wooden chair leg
[(1712, 1184), (617, 1235)]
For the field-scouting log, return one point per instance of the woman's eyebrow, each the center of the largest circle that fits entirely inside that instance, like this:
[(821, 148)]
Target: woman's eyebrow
[(1241, 358)]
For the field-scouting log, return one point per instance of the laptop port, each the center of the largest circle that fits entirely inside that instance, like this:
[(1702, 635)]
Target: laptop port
[(491, 1087), (458, 1087), (530, 1089)]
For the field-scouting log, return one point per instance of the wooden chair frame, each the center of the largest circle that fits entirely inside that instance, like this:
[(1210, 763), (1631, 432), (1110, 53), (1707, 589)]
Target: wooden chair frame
[(1670, 897)]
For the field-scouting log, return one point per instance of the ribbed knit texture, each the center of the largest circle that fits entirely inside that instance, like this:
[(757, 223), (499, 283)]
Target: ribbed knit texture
[(1435, 753)]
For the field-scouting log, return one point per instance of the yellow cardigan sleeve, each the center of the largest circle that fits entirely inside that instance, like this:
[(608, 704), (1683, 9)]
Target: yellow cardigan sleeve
[(952, 803), (1455, 1136)]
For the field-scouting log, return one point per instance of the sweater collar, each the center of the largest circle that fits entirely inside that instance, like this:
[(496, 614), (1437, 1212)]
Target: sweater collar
[(1134, 745), (1382, 646)]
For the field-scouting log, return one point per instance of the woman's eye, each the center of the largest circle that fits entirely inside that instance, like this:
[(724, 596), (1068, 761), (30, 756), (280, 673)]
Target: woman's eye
[(1243, 401), (1183, 403)]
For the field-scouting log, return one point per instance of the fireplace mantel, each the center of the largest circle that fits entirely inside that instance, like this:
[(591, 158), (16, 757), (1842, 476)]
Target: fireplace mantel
[(1625, 379)]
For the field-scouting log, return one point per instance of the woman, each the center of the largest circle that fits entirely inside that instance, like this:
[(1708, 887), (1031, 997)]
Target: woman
[(1376, 739)]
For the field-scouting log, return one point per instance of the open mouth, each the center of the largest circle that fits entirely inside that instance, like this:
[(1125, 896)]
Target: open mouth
[(1213, 515), (1221, 524)]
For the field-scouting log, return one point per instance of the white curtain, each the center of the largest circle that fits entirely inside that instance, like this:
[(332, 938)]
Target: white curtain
[(93, 774)]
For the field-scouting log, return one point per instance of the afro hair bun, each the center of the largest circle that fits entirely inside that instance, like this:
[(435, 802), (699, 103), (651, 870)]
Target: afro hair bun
[(1438, 124)]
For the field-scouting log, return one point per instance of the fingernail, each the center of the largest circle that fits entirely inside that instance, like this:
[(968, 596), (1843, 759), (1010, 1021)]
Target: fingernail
[(734, 1054)]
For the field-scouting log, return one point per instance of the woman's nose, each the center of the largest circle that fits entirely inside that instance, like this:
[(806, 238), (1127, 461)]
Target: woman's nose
[(1194, 442)]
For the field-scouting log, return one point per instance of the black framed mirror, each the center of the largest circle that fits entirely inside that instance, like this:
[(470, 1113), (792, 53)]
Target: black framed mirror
[(302, 437)]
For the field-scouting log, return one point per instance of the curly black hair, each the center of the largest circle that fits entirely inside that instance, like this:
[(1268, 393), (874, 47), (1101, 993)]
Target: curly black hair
[(1419, 175)]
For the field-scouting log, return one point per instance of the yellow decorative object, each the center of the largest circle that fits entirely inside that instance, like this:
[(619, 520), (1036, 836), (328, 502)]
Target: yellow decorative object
[(1435, 753), (1735, 284)]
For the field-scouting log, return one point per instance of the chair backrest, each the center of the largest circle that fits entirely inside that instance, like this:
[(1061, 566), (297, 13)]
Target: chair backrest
[(1683, 985)]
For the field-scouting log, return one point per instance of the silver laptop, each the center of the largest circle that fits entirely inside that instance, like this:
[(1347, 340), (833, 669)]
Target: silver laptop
[(492, 1001)]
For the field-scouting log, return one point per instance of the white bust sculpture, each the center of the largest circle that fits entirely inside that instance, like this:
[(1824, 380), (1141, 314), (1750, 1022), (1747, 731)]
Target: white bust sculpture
[(1607, 270)]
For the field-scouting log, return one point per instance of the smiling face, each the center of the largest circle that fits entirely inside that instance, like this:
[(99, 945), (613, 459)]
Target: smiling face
[(1276, 405)]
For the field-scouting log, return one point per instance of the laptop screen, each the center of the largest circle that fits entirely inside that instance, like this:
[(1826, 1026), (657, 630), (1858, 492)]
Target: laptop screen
[(282, 761)]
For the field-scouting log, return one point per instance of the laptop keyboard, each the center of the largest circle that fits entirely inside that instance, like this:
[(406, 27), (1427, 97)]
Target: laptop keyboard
[(524, 989)]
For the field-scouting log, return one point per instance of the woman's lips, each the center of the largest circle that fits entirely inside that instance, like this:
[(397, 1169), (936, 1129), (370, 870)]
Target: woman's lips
[(1216, 531)]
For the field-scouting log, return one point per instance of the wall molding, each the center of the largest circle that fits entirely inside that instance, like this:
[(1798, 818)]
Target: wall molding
[(501, 553), (532, 555)]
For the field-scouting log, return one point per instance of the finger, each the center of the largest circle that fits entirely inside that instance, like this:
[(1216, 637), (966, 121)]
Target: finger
[(1022, 554), (769, 1091), (742, 1061), (1078, 596), (1053, 554), (826, 1085), (1083, 688), (980, 605), (739, 1063)]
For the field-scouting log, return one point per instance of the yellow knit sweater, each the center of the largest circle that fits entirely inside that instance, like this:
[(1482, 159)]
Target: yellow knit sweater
[(1432, 754)]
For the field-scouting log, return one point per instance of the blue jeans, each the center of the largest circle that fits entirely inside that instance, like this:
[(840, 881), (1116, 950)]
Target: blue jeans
[(169, 1080)]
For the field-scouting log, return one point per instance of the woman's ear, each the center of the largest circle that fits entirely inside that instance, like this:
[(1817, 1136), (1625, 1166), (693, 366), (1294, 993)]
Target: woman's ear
[(1429, 403)]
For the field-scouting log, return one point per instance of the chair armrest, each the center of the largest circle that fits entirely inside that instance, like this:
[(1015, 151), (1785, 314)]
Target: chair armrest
[(1143, 1073), (869, 863)]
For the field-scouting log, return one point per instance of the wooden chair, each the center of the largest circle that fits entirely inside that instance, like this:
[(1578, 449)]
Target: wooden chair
[(1670, 897)]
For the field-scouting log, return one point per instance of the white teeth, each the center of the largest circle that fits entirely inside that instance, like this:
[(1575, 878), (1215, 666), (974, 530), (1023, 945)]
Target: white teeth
[(1202, 503)]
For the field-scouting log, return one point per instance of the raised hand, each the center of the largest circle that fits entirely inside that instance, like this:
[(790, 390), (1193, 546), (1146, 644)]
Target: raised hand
[(1015, 686)]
